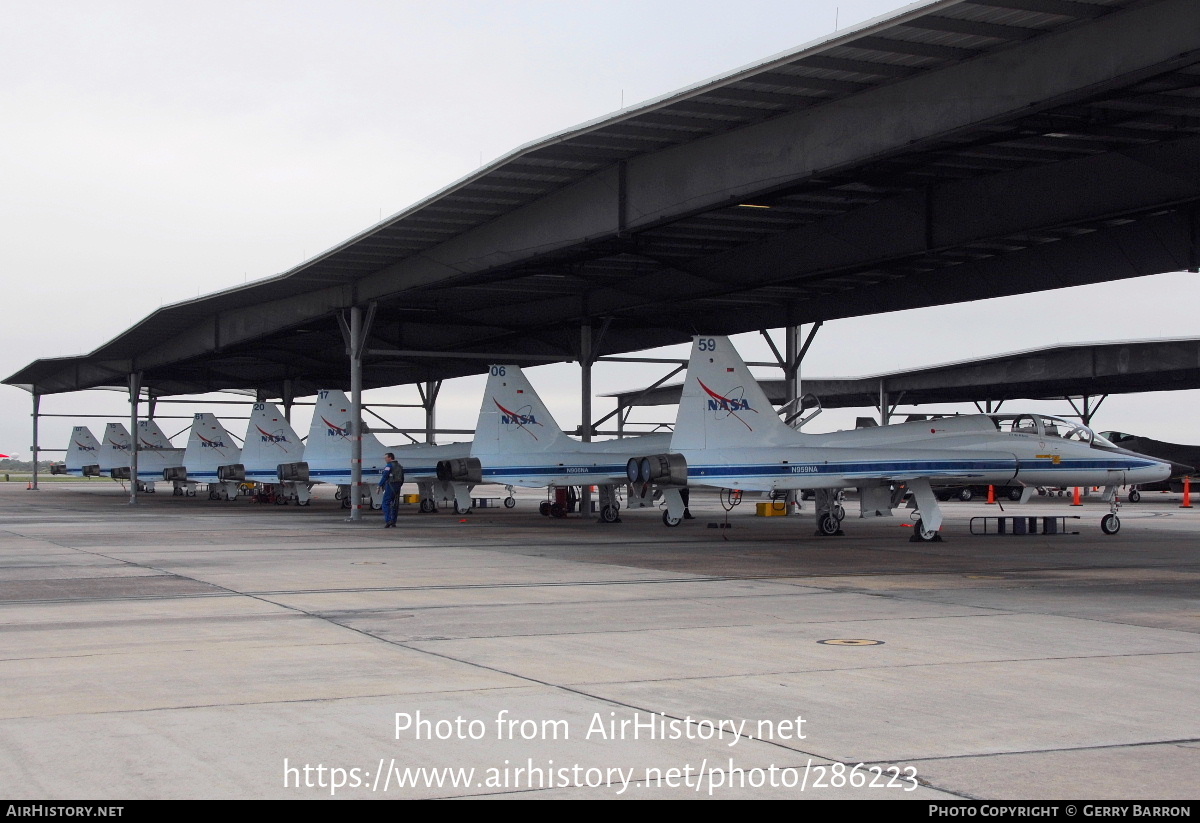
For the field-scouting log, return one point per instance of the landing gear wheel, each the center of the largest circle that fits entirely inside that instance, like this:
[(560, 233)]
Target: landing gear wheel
[(923, 534), (376, 506), (965, 495), (1134, 495), (840, 513), (510, 502), (191, 492), (609, 514), (827, 525), (460, 510), (544, 508), (337, 495), (178, 492), (668, 520), (558, 510), (1014, 494), (345, 502), (212, 494), (303, 502), (427, 506), (1110, 524)]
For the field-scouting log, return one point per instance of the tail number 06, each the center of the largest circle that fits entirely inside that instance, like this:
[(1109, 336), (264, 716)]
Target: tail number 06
[(497, 371), (707, 344)]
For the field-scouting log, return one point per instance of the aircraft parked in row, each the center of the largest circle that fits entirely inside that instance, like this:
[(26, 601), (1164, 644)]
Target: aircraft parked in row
[(728, 435), (519, 443)]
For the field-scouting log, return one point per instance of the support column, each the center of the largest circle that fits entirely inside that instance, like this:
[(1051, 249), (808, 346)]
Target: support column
[(432, 388), (585, 384), (151, 402), (289, 397), (356, 335), (35, 448), (883, 404), (135, 390), (791, 368)]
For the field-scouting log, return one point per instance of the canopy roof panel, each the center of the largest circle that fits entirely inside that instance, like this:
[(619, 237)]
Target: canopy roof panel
[(954, 150)]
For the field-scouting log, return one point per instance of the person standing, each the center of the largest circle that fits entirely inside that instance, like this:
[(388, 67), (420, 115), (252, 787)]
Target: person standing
[(390, 482)]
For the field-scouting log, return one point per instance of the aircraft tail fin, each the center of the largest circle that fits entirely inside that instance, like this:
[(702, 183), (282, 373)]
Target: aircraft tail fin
[(270, 439), (329, 443), (723, 405), (114, 451), (209, 445), (513, 419), (151, 437), (83, 450)]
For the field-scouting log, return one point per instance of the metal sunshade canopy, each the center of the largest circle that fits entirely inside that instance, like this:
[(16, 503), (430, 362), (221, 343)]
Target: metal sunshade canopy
[(951, 151), (1057, 372)]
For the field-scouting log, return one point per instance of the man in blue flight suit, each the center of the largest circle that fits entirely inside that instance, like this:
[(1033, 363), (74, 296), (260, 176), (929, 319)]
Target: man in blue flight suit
[(390, 482)]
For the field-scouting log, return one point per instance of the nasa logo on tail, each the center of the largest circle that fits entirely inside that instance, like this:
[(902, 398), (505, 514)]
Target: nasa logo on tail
[(335, 430), (728, 404), (522, 419), (82, 447), (205, 443), (267, 437)]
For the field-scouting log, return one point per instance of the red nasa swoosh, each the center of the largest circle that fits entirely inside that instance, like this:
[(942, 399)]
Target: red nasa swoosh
[(516, 418), (728, 404)]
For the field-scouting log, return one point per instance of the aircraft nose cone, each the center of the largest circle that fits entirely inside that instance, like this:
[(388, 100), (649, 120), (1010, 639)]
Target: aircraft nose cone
[(1181, 470)]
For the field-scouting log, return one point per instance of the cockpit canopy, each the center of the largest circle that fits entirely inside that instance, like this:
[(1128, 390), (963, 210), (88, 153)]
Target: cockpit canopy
[(1047, 425)]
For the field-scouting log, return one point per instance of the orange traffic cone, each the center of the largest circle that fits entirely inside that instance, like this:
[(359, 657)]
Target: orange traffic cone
[(1078, 494), (991, 495), (1187, 493)]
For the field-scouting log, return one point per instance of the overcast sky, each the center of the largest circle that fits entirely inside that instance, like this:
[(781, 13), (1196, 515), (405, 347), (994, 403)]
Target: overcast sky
[(151, 152)]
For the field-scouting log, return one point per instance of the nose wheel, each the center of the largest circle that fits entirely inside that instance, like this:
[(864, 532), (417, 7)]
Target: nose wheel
[(1110, 524)]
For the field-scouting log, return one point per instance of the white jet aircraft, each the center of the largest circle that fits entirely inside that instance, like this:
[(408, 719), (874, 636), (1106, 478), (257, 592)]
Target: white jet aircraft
[(518, 443), (327, 459), (728, 435), (157, 458), (83, 455), (270, 445), (209, 447), (114, 452)]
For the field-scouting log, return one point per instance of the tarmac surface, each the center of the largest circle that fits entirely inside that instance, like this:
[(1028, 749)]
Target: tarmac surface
[(185, 648)]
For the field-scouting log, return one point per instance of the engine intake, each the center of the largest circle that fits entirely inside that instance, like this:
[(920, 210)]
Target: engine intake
[(662, 469), (292, 472), (233, 473), (175, 473), (91, 471), (460, 470), (120, 473)]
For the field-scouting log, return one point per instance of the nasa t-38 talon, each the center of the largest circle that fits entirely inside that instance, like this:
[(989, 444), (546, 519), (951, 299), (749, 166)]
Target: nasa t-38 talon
[(271, 446), (209, 448), (328, 451), (83, 455), (727, 435), (519, 443)]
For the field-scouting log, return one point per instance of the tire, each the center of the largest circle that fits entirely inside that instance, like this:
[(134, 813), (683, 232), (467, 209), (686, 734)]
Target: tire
[(337, 495), (558, 510), (965, 495), (510, 502), (1134, 495), (212, 494), (827, 525), (608, 514), (668, 520), (1110, 524), (1014, 494), (427, 506), (178, 492), (191, 492), (460, 510), (840, 513), (544, 508), (922, 533), (303, 502)]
